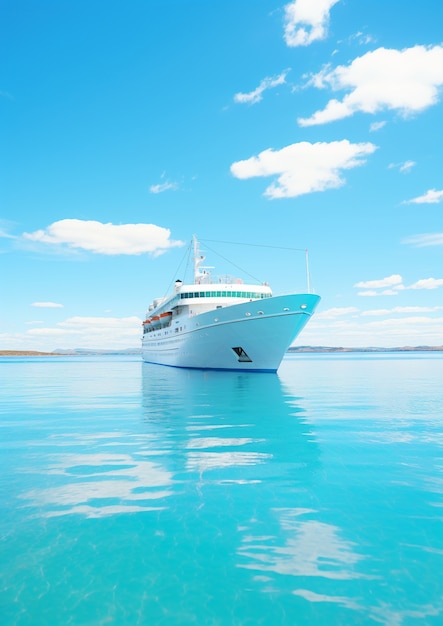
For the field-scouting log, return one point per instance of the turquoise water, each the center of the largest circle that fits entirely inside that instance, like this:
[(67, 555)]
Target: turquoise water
[(133, 494)]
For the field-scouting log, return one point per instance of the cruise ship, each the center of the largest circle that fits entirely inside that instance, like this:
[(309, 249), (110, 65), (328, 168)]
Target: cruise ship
[(223, 324)]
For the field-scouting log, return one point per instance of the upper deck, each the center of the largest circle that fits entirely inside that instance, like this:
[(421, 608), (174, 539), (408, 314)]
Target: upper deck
[(209, 296)]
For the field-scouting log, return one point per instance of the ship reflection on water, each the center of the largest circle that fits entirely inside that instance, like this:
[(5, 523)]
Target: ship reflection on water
[(215, 422), (244, 454)]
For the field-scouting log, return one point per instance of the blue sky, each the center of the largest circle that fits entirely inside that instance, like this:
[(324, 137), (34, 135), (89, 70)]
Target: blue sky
[(125, 128)]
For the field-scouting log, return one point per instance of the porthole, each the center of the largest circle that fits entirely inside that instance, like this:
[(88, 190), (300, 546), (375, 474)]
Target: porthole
[(303, 306), (248, 314), (286, 308), (260, 312)]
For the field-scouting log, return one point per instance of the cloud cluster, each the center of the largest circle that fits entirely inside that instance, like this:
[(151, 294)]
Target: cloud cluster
[(339, 312), (161, 187), (165, 185), (389, 281), (375, 126), (47, 305), (106, 238), (107, 333), (91, 332), (257, 94), (422, 241), (402, 310), (396, 329), (404, 167), (306, 21), (336, 312), (432, 196), (392, 285), (407, 81), (304, 167)]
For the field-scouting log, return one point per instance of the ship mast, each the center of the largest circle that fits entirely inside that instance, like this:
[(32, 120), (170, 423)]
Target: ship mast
[(308, 276), (200, 273)]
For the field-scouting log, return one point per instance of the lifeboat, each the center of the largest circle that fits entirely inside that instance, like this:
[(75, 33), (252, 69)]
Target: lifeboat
[(155, 321), (165, 318)]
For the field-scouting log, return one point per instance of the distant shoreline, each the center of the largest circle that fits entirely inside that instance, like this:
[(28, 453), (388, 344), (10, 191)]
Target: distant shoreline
[(368, 349), (292, 350), (26, 353)]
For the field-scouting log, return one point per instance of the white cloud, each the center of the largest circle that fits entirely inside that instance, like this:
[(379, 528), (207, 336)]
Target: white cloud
[(392, 292), (5, 227), (406, 80), (427, 283), (432, 196), (101, 333), (90, 332), (306, 21), (106, 238), (165, 185), (422, 241), (46, 332), (376, 126), (389, 281), (400, 309), (391, 285), (407, 166), (6, 235), (304, 167), (361, 38), (404, 167), (333, 313), (256, 95), (369, 294), (47, 305), (99, 324), (396, 330), (161, 187), (385, 292)]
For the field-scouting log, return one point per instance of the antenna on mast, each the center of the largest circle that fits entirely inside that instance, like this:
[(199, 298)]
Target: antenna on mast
[(200, 273)]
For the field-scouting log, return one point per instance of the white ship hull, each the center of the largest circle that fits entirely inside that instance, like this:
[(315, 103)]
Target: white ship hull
[(251, 336)]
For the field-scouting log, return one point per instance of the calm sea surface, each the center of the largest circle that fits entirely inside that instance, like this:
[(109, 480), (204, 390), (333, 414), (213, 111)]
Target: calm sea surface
[(134, 494)]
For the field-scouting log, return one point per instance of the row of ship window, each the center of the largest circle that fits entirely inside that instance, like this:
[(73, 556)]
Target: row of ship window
[(224, 294)]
